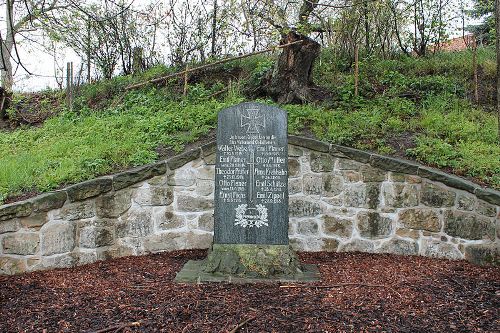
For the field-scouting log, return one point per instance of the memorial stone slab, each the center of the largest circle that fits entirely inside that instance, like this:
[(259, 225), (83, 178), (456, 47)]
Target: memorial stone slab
[(251, 176), (251, 202)]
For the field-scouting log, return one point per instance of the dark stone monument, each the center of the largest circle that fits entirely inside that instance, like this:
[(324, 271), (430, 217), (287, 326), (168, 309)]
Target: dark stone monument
[(251, 201), (251, 176)]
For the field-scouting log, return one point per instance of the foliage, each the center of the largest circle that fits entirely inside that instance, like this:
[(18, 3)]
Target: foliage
[(74, 147), (111, 129)]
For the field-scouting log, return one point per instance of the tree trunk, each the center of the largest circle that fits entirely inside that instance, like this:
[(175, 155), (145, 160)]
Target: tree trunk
[(7, 47), (291, 81)]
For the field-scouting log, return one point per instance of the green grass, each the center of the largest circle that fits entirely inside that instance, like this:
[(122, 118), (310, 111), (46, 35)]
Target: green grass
[(72, 148), (111, 130)]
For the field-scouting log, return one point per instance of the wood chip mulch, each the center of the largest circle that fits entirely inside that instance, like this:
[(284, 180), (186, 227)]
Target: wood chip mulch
[(358, 292)]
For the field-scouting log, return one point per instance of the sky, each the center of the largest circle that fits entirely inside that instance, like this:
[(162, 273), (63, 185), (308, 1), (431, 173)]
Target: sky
[(43, 66)]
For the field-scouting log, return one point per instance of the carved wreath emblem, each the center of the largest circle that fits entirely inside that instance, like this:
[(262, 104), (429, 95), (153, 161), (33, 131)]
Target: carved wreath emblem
[(248, 217)]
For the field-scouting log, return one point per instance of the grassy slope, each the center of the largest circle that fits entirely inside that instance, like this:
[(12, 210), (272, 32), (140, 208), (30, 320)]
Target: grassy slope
[(421, 101)]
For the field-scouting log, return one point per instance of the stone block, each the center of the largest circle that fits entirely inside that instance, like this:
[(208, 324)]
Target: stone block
[(466, 202), (412, 179), (307, 227), (137, 223), (206, 222), (372, 225), (399, 246), (294, 186), (346, 164), (16, 209), (208, 149), (57, 238), (486, 209), (170, 220), (60, 261), (113, 204), (299, 207), (447, 179), (420, 219), (362, 195), (206, 172), (321, 162), (154, 196), (89, 189), (294, 151), (204, 187), (439, 249), (188, 203), (408, 233), (357, 245), (400, 195), (332, 185), (437, 196), (11, 266), (337, 226), (312, 184), (133, 176), (373, 195), (182, 177), (370, 174), (355, 154), (351, 176), (171, 241), (35, 220), (22, 243), (397, 177), (330, 245), (309, 143), (468, 225), (179, 160), (93, 237), (9, 226), (393, 164), (77, 211), (489, 195), (483, 254), (49, 201), (355, 195), (293, 168)]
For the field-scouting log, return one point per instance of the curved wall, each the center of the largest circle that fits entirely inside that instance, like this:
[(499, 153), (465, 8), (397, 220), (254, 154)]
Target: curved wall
[(341, 199)]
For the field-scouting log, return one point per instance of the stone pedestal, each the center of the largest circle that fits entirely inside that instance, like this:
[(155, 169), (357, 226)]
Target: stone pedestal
[(248, 263)]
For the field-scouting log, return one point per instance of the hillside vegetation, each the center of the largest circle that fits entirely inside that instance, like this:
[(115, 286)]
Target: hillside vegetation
[(417, 108)]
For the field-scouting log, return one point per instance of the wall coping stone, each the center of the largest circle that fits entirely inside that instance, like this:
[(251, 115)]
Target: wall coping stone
[(447, 179), (186, 157), (94, 187), (355, 154), (394, 164), (89, 188), (312, 144), (209, 149), (133, 176)]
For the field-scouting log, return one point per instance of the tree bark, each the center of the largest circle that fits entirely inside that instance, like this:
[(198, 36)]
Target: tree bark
[(291, 81), (7, 46)]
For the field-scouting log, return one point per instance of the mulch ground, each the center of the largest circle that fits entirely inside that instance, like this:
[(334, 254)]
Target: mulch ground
[(358, 292)]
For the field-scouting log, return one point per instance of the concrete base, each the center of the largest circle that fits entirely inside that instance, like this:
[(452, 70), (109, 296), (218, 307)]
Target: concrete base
[(247, 263)]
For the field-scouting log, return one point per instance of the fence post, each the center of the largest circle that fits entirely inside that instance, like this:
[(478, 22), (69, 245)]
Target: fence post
[(184, 93), (69, 85), (137, 60), (356, 69)]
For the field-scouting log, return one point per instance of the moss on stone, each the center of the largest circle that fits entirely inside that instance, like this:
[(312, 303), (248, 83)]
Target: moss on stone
[(249, 260)]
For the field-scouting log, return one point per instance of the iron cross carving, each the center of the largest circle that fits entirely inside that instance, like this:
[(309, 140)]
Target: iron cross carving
[(253, 120)]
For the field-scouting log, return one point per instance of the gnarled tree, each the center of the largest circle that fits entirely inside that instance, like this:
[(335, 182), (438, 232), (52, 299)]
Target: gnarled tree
[(291, 80)]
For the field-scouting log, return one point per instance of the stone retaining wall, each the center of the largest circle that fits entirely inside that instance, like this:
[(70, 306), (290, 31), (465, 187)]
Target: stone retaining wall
[(341, 199)]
